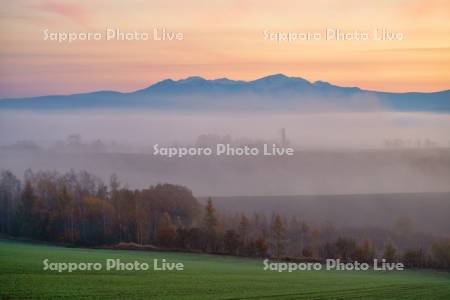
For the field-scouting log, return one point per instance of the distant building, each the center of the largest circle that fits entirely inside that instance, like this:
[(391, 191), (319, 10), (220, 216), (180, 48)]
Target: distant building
[(283, 139)]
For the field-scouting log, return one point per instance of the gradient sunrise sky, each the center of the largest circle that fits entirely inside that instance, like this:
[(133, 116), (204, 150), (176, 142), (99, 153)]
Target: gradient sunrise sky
[(221, 39)]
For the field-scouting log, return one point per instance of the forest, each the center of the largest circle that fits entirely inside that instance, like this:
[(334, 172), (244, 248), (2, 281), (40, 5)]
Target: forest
[(79, 209)]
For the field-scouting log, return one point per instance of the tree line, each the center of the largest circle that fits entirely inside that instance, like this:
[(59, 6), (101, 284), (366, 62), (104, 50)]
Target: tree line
[(78, 208)]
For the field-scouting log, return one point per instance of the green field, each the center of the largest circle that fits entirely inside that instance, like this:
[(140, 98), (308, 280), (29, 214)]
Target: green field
[(205, 277)]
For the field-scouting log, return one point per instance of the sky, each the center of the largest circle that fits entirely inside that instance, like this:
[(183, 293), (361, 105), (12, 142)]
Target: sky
[(221, 39)]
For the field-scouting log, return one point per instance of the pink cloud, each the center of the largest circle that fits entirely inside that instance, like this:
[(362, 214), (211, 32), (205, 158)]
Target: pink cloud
[(74, 12)]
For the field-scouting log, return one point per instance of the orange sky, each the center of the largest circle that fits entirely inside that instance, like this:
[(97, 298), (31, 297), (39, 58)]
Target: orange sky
[(221, 39)]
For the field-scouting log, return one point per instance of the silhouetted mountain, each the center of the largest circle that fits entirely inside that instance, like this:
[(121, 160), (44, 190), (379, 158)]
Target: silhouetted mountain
[(274, 92)]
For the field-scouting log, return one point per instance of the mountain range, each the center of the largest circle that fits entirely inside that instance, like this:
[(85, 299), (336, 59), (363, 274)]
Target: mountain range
[(274, 92)]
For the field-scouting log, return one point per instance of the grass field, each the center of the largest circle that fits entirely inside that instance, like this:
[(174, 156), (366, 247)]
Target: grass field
[(205, 277)]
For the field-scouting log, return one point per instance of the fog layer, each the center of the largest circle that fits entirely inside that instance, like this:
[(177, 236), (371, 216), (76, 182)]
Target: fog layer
[(335, 153), (305, 130)]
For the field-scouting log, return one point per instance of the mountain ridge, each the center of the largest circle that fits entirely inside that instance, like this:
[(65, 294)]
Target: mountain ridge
[(276, 91)]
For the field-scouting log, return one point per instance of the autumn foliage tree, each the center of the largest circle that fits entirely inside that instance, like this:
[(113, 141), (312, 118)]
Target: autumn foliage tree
[(77, 208)]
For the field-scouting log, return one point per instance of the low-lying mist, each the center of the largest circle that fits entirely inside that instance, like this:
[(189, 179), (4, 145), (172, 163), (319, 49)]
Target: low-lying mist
[(305, 130), (336, 152)]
